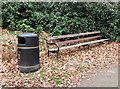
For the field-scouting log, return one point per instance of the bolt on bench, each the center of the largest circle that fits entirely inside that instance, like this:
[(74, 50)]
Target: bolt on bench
[(73, 40)]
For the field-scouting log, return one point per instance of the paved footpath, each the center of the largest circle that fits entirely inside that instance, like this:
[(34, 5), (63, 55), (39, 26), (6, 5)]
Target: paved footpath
[(107, 77)]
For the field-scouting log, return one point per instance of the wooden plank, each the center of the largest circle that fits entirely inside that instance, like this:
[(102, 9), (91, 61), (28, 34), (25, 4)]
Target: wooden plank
[(81, 44), (77, 40), (71, 35)]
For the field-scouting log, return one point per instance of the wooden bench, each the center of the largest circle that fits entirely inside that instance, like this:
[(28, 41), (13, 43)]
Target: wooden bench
[(73, 40)]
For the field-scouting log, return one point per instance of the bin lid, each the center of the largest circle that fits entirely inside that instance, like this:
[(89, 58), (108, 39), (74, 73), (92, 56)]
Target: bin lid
[(27, 35), (28, 40)]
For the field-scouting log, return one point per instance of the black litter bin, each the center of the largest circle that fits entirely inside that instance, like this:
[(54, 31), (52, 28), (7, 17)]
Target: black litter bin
[(28, 52)]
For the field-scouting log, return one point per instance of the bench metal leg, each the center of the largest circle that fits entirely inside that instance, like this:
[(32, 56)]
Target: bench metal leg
[(57, 53), (109, 41), (48, 53)]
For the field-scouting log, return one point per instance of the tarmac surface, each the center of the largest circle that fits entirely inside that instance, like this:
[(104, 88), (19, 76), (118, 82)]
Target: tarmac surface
[(107, 77)]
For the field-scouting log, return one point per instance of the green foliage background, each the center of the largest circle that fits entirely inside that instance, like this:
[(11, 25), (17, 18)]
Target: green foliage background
[(0, 14), (62, 18)]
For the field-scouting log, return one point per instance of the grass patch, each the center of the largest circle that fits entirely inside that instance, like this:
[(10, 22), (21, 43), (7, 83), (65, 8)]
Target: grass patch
[(18, 78), (81, 68), (42, 73), (66, 75), (53, 68), (29, 75), (57, 81)]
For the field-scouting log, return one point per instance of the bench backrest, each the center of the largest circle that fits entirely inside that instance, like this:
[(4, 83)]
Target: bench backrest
[(71, 35)]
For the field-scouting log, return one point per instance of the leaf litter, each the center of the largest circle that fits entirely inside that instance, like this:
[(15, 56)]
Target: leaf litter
[(72, 66)]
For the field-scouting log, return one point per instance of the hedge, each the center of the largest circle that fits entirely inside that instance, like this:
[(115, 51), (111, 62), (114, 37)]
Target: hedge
[(62, 18)]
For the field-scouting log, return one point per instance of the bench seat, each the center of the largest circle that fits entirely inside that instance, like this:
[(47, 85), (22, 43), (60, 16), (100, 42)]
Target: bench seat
[(73, 40), (76, 40), (71, 35), (80, 44)]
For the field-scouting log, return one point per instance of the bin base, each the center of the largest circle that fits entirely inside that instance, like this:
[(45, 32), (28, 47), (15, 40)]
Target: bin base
[(27, 70)]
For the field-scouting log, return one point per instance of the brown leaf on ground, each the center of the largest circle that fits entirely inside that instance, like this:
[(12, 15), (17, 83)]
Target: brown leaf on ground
[(72, 66)]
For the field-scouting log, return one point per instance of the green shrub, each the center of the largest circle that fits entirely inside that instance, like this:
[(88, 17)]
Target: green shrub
[(0, 14), (62, 18)]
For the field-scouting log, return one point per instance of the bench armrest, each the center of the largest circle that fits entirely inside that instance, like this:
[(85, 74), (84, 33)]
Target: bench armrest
[(52, 43)]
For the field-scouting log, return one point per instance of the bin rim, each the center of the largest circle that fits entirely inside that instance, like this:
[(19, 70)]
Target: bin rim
[(27, 35)]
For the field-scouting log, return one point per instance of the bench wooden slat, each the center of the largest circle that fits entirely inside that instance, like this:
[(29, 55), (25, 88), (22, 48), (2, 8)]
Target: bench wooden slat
[(71, 35), (77, 40), (81, 44)]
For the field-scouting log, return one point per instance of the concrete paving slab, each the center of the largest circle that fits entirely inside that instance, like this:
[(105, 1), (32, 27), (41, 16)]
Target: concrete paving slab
[(102, 78)]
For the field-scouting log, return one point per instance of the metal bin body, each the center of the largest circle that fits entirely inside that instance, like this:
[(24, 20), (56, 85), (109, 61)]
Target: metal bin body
[(28, 52)]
